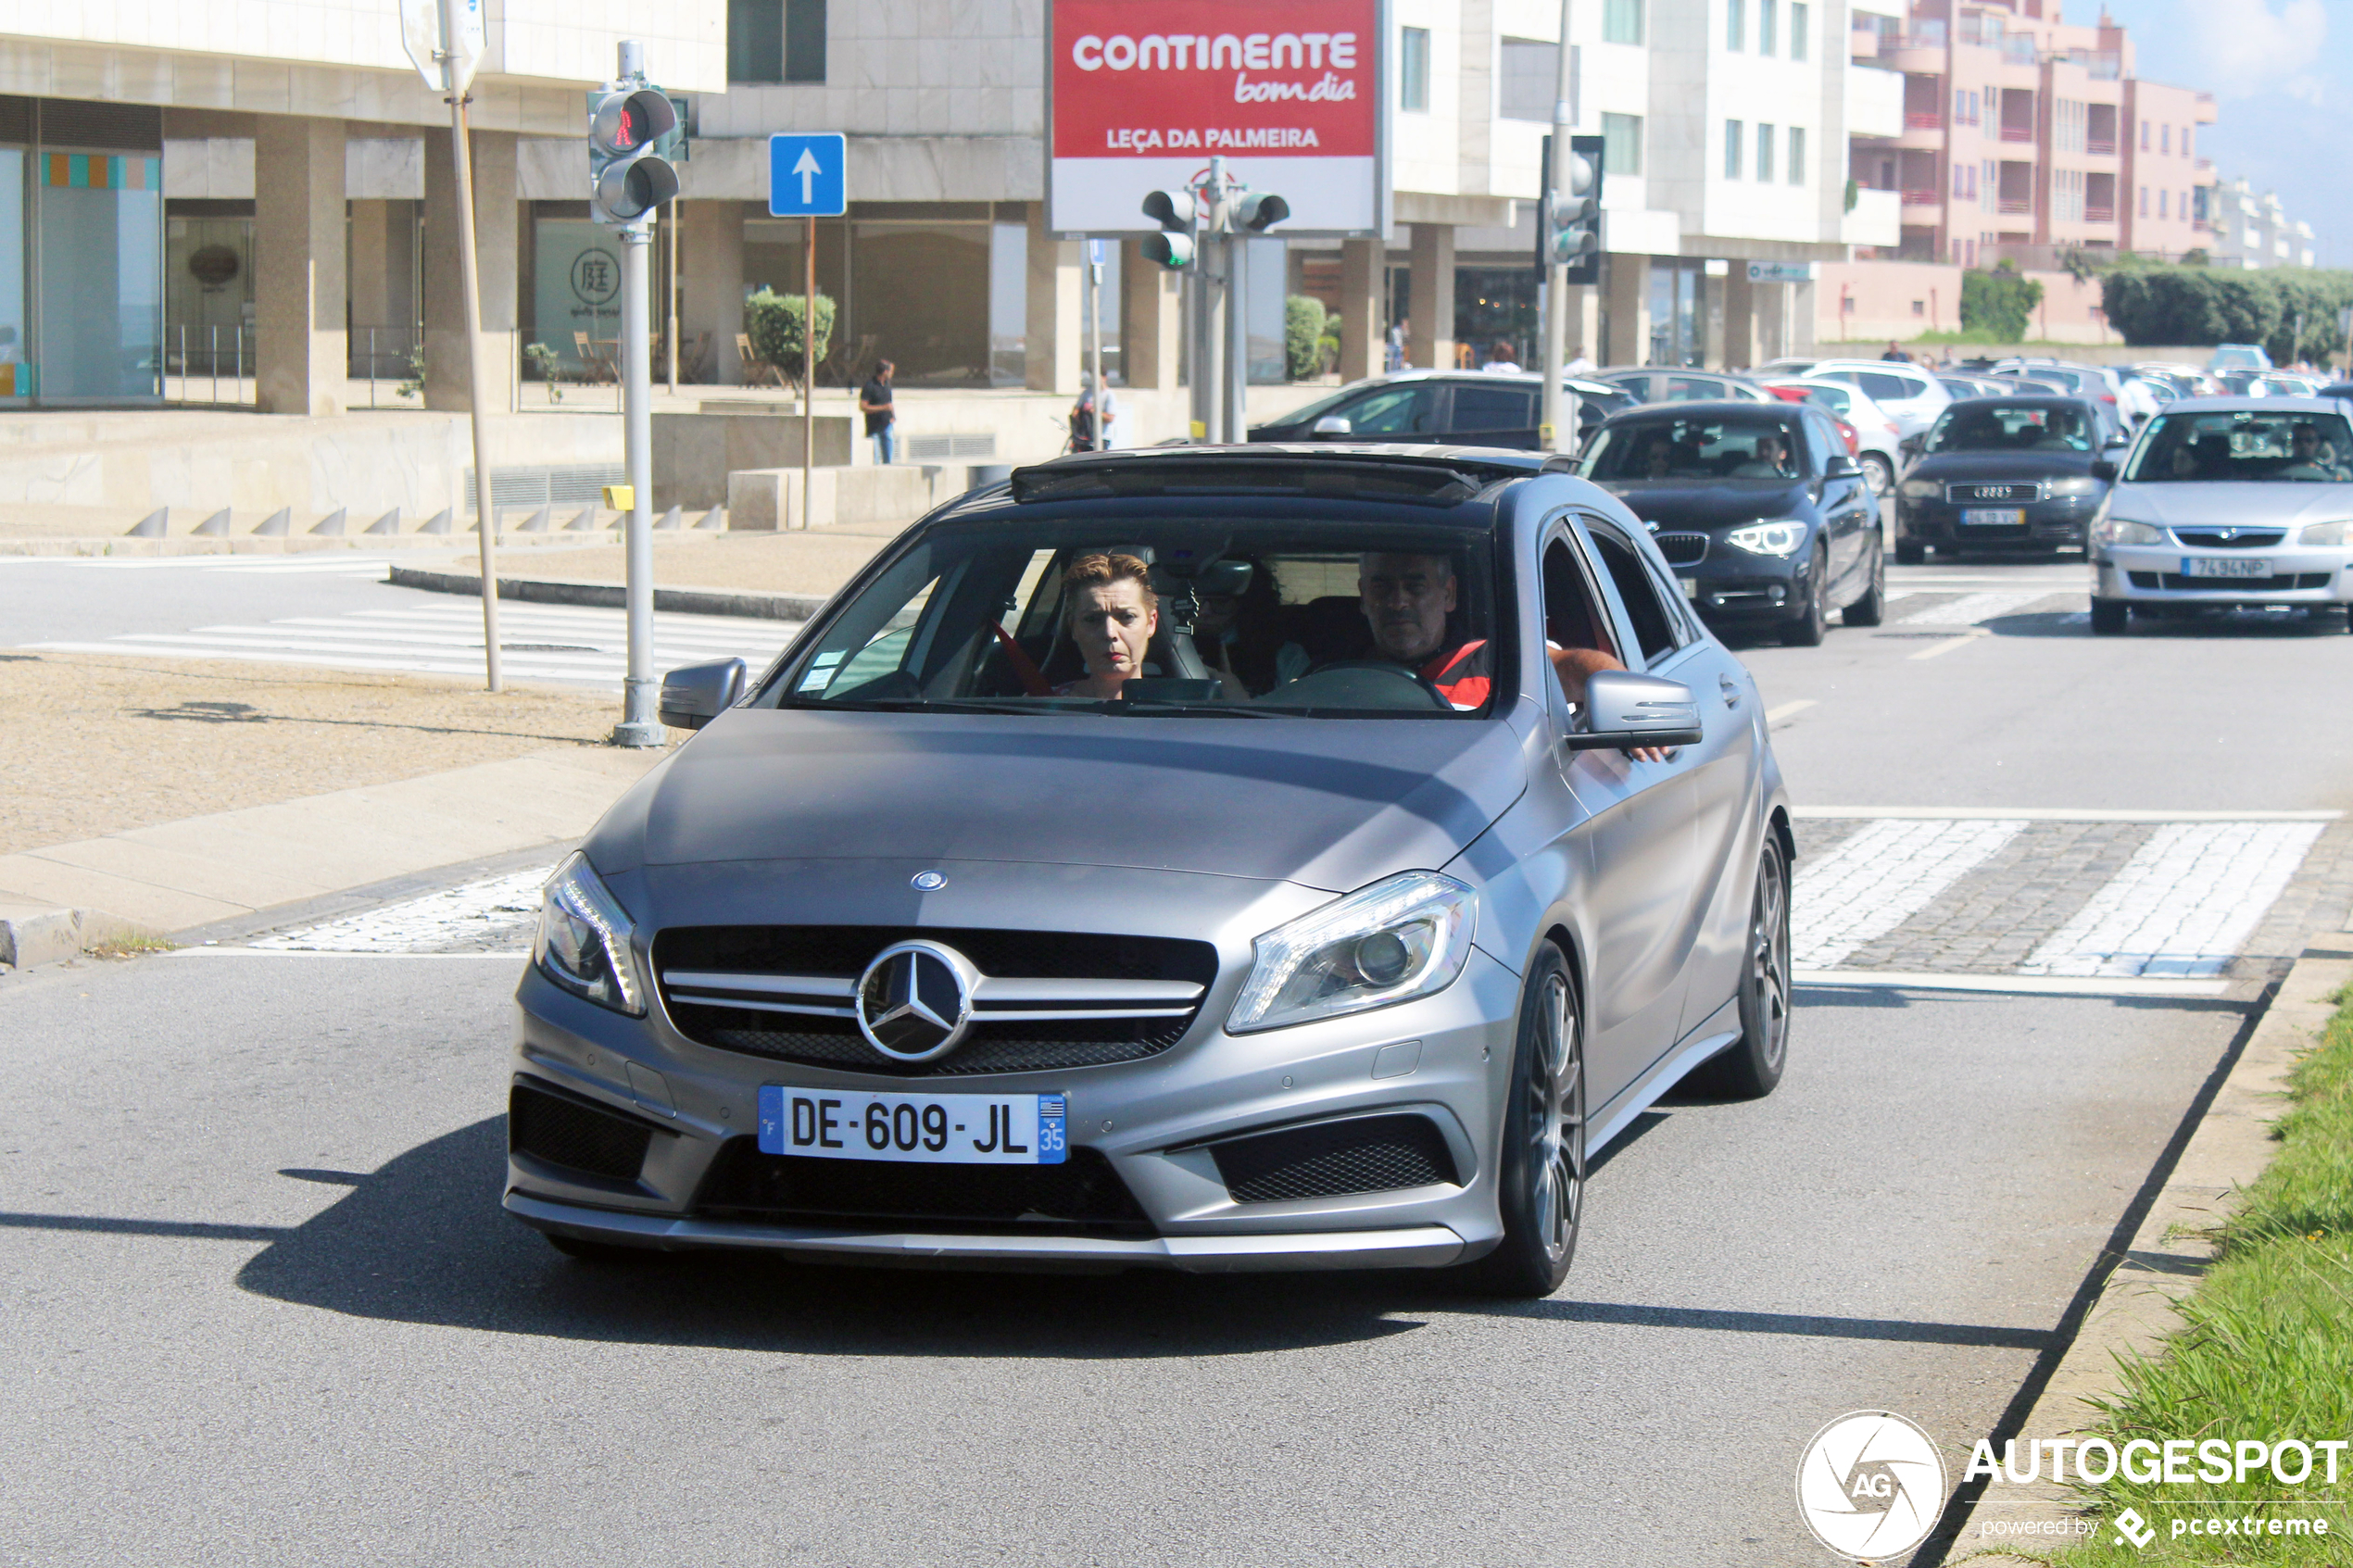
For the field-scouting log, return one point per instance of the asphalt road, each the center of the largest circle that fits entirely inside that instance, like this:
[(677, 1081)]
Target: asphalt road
[(260, 1304)]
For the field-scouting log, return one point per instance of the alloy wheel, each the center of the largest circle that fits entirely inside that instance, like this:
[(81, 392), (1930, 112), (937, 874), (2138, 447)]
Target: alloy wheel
[(1555, 1164), (1768, 961)]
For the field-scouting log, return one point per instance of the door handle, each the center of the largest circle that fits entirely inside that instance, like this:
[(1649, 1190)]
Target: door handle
[(1731, 693)]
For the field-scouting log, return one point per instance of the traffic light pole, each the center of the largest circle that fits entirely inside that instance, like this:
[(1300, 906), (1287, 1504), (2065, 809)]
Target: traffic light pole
[(640, 719), (470, 288), (1236, 366), (1556, 413)]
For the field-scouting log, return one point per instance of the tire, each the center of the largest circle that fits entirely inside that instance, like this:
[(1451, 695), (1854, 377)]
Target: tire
[(1910, 552), (1751, 1067), (1871, 609), (1878, 472), (1808, 630), (1541, 1171), (2110, 617)]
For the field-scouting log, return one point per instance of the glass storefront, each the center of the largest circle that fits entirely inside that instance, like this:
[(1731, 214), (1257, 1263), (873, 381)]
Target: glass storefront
[(16, 360), (98, 219), (575, 294)]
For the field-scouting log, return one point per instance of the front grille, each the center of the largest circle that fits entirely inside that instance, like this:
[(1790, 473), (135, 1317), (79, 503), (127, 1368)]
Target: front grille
[(2278, 583), (1682, 550), (1992, 492), (824, 1034), (1083, 1192), (2214, 539), (560, 1130), (1331, 1158)]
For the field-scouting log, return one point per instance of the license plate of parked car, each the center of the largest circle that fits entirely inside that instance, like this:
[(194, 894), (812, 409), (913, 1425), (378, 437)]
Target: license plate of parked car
[(1993, 517), (1690, 586), (2225, 566), (924, 1129)]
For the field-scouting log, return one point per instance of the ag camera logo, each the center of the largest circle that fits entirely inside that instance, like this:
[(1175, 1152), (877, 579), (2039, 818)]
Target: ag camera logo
[(1870, 1485)]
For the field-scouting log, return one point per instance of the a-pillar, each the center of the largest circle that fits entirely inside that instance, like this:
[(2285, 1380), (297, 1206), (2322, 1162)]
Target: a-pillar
[(1628, 279), (494, 238), (1360, 308), (300, 273), (1152, 320), (1741, 324), (710, 272), (1432, 312), (1052, 334)]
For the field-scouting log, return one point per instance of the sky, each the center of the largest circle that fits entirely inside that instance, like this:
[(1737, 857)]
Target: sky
[(2282, 75)]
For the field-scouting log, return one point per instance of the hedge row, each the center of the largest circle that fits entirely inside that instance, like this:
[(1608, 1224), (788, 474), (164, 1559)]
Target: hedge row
[(2200, 305)]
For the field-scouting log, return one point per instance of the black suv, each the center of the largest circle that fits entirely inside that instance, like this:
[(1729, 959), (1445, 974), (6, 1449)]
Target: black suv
[(1441, 408)]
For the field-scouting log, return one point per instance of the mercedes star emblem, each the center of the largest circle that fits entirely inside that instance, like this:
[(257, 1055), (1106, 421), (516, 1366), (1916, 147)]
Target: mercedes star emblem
[(927, 882), (915, 1001)]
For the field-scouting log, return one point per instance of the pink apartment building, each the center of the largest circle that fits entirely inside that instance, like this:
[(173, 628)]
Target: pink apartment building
[(2025, 136)]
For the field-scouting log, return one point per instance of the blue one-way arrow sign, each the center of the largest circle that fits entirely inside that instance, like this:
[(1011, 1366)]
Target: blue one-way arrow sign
[(807, 176)]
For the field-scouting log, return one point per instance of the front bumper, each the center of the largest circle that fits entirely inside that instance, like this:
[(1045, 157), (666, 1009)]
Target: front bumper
[(1728, 584), (2061, 522), (2152, 574), (1151, 1121)]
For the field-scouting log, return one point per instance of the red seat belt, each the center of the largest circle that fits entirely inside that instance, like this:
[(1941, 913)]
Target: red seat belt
[(1033, 680)]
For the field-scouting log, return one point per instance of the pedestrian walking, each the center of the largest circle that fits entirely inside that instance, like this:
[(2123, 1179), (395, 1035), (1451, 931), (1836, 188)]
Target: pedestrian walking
[(1091, 415), (1895, 354), (1399, 330), (882, 420)]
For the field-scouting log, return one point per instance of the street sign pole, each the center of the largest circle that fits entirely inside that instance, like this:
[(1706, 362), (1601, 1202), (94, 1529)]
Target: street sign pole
[(807, 366), (1558, 424), (808, 179)]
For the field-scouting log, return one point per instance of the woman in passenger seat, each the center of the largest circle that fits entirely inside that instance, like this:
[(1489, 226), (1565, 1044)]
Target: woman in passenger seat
[(1112, 616)]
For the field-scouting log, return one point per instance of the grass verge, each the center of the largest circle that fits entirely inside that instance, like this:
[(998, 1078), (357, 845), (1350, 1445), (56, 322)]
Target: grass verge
[(2266, 1350)]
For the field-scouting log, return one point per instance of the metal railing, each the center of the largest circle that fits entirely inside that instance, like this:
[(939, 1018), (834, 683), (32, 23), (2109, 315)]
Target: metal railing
[(2017, 134), (1924, 121), (2015, 204), (211, 364)]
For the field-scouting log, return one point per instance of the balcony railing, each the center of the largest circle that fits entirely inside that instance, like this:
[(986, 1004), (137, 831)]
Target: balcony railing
[(2100, 147), (2018, 49), (1929, 197), (2099, 214), (2017, 134), (1924, 121), (2015, 204)]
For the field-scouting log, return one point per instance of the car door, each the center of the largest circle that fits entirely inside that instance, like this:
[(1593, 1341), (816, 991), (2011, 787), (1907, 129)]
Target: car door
[(1498, 413), (1850, 513), (1639, 834)]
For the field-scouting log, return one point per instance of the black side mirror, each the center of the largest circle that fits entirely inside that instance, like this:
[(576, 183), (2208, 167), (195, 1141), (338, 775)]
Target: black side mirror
[(2104, 470), (1841, 467), (1910, 446), (1623, 709), (692, 696)]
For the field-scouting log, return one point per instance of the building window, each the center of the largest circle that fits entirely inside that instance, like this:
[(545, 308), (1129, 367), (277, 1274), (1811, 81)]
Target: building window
[(1959, 182), (2145, 201), (1735, 24), (2145, 136), (1767, 22), (1413, 70), (805, 40), (2165, 140), (1622, 21), (1797, 155), (1530, 80), (1622, 144), (1731, 149), (755, 41), (1764, 153), (2161, 203), (1797, 13)]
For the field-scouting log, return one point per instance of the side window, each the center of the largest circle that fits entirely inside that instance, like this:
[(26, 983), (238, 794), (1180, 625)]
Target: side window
[(1574, 618), (1396, 410), (1691, 389), (1656, 628), (1493, 408), (1823, 437), (1881, 388)]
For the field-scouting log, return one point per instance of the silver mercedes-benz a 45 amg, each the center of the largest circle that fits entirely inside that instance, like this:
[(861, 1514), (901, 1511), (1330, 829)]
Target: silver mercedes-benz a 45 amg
[(1217, 858)]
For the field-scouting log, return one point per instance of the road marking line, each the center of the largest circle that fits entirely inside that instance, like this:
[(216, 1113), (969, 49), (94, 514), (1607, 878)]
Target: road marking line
[(1790, 709), (2021, 984), (1973, 610), (2050, 814), (2182, 904), (1936, 649), (1868, 884)]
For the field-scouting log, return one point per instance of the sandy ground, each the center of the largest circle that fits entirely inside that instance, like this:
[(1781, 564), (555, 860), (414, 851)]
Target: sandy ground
[(97, 744), (815, 563)]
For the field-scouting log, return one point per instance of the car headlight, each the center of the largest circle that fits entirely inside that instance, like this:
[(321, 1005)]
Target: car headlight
[(2323, 532), (582, 944), (1780, 537), (1404, 936), (2080, 484), (2124, 530), (1920, 489)]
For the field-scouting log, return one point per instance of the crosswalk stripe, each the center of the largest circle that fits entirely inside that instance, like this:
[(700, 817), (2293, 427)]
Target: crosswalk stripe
[(2182, 905), (1974, 610), (1871, 883)]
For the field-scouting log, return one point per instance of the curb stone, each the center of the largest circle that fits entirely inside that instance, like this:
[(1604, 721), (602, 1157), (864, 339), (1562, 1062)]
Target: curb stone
[(2136, 1310), (683, 601), (31, 935)]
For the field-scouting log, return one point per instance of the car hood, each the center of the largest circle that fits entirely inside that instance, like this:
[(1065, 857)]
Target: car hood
[(1675, 503), (1991, 468), (1332, 804), (2194, 504)]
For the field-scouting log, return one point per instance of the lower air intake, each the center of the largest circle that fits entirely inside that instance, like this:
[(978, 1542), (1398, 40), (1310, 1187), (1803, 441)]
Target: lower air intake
[(1083, 1192), (562, 1131), (1334, 1159)]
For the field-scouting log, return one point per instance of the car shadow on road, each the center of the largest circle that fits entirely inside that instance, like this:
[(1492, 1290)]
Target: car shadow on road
[(2186, 624)]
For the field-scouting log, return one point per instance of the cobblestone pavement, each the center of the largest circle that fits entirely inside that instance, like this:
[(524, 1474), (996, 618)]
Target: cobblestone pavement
[(492, 914), (2234, 899)]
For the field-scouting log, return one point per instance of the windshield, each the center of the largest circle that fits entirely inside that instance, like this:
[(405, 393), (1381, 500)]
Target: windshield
[(2284, 445), (1049, 613), (1720, 447), (2012, 427)]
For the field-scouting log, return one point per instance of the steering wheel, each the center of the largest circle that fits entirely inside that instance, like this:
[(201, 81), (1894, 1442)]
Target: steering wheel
[(1397, 671)]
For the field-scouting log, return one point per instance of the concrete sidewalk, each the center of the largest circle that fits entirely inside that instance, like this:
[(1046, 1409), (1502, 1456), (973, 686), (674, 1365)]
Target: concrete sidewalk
[(58, 898)]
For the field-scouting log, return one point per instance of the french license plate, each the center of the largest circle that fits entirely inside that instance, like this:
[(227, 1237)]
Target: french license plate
[(920, 1129), (2225, 566), (1993, 517), (1691, 586)]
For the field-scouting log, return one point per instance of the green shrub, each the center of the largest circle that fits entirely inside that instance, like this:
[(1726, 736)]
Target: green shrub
[(2202, 305), (1302, 336), (772, 321), (1996, 305)]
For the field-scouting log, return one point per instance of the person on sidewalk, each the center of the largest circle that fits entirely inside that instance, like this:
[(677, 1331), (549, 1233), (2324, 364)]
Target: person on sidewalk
[(873, 401), (1895, 354), (1399, 331), (1501, 359), (1090, 424)]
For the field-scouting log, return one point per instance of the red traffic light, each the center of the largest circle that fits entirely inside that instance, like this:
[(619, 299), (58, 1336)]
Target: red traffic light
[(624, 122)]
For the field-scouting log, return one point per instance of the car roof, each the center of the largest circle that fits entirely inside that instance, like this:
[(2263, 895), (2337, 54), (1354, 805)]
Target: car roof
[(2031, 399), (1706, 407), (2318, 405), (1145, 471), (1927, 370)]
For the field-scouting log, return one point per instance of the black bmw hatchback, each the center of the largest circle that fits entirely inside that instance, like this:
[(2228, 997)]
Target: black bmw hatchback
[(1766, 520), (2003, 473)]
